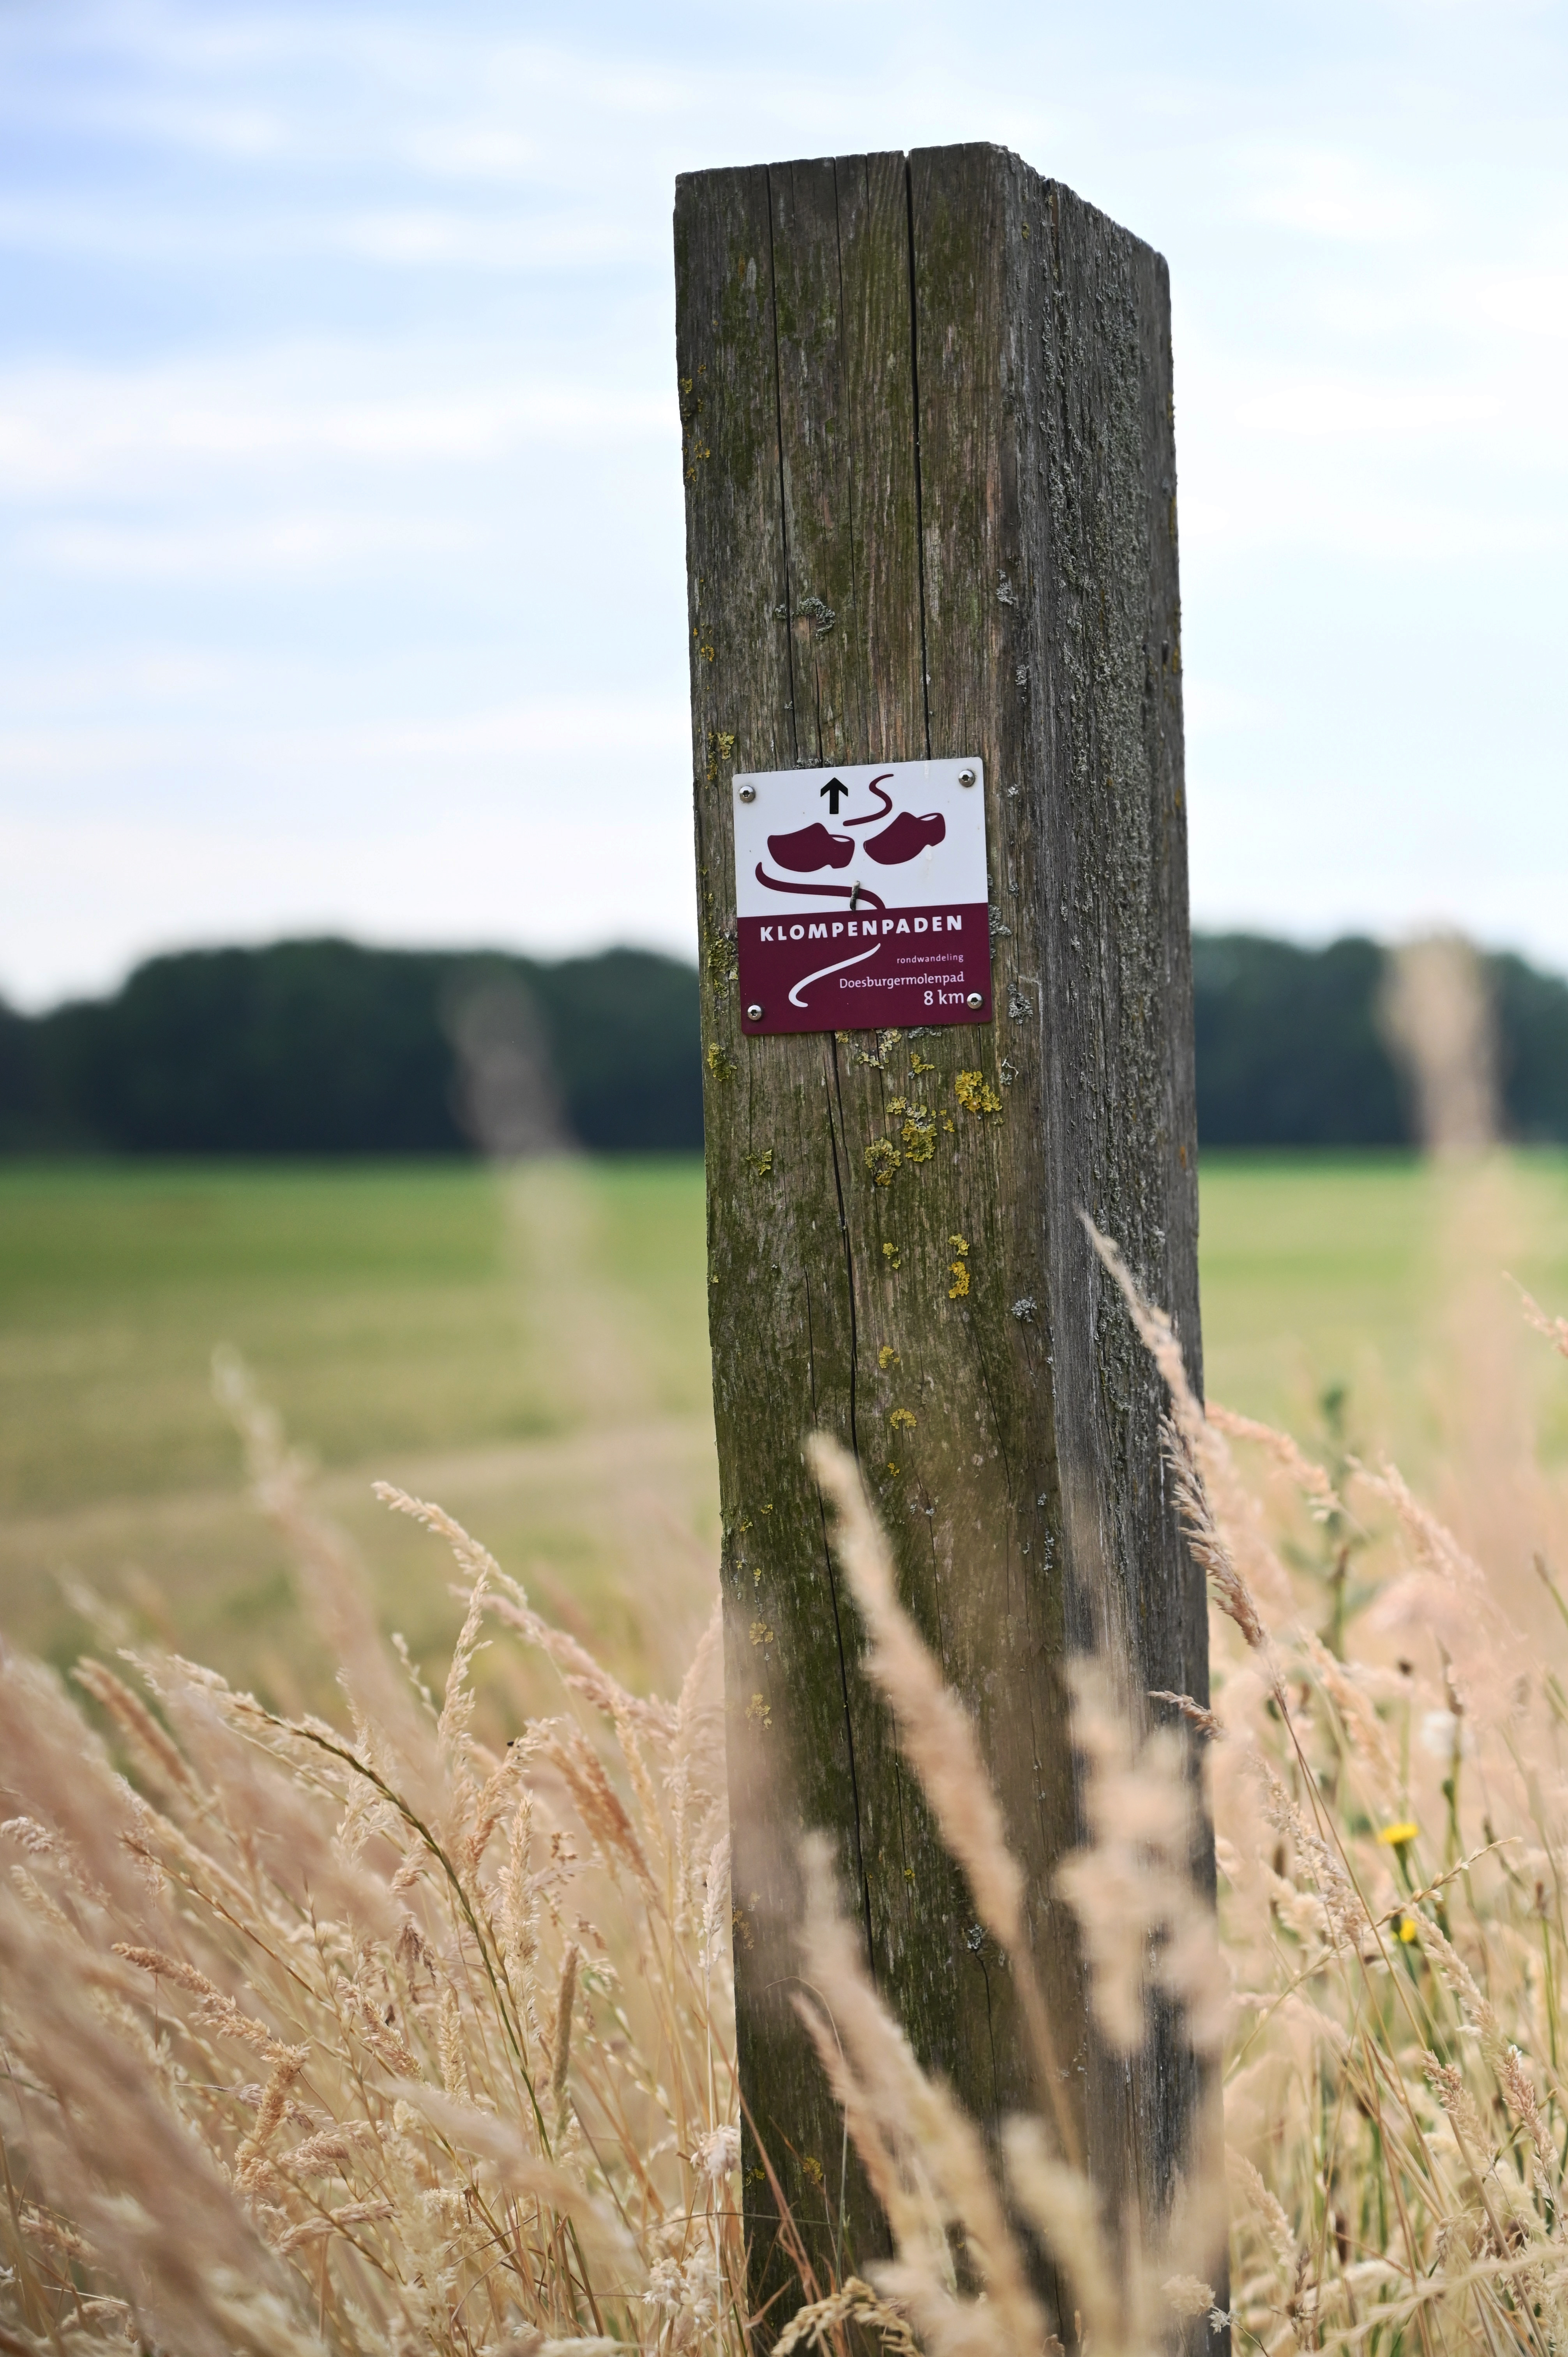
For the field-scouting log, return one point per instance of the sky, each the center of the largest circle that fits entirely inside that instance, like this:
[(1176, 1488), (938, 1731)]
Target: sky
[(341, 559)]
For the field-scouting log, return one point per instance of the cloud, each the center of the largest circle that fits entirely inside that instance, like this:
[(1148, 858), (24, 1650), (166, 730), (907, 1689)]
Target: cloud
[(429, 237), (395, 236), (611, 749), (289, 543), (81, 430), (1326, 193), (1366, 408), (79, 902), (551, 822), (235, 132), (1212, 708), (477, 151)]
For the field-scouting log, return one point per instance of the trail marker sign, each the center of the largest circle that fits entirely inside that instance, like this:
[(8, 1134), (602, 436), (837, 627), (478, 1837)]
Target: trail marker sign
[(861, 895)]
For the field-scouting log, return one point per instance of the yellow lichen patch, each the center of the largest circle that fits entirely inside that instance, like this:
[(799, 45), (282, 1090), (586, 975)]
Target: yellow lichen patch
[(959, 1270), (959, 1246), (761, 1634), (878, 1056), (892, 1255), (762, 1163), (759, 1710), (814, 2168), (882, 1159), (902, 1420), (975, 1092), (886, 1357), (917, 1065), (721, 1063), (919, 1134)]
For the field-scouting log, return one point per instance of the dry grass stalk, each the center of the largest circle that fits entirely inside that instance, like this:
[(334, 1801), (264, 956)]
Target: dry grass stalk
[(1292, 1459), (939, 1739), (1143, 1923), (157, 1758), (1554, 1328), (819, 2325), (1223, 1522), (924, 2155), (560, 2042), (1146, 1926)]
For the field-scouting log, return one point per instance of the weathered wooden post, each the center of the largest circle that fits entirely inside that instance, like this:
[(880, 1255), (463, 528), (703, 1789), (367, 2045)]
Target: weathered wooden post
[(930, 487)]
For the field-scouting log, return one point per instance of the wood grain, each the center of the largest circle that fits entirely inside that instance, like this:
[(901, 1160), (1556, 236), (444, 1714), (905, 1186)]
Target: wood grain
[(930, 508)]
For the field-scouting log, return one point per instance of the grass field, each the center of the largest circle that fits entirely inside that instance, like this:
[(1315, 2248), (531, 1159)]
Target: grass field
[(531, 1350)]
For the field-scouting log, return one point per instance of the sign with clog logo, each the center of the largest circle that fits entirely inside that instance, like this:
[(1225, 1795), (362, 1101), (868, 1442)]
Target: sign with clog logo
[(861, 896)]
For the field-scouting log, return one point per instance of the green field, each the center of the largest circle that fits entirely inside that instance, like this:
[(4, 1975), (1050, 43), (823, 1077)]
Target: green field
[(531, 1349)]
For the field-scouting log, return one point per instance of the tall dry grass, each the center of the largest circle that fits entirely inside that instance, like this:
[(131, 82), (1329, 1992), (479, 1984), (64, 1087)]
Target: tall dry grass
[(365, 2038), (373, 2037)]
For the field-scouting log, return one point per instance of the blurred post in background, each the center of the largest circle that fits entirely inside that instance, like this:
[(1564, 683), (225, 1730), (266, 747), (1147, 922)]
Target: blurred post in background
[(508, 1101), (1439, 1009)]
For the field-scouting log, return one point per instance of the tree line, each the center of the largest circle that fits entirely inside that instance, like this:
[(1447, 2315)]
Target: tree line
[(326, 1047), (1292, 1047)]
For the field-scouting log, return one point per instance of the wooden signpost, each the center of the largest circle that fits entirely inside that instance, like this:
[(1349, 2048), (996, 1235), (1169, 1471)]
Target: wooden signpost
[(930, 487)]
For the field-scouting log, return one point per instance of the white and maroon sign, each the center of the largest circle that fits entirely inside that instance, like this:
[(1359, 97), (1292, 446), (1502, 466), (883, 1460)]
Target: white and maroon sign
[(861, 896)]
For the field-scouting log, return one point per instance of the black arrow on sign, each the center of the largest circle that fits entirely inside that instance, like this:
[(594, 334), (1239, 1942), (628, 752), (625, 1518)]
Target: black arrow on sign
[(836, 791)]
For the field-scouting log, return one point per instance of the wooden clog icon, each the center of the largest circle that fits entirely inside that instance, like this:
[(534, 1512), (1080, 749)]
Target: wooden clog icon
[(905, 839), (812, 847)]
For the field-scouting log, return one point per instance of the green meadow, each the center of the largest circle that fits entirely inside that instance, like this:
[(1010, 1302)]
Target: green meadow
[(530, 1349)]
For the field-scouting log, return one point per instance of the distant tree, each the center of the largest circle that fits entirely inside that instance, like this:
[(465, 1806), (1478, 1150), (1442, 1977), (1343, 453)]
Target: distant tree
[(1288, 1045), (324, 1046), (24, 1117), (1533, 1040), (304, 1048), (625, 1040)]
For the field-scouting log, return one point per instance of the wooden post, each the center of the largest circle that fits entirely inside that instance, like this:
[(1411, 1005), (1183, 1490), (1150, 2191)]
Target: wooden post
[(930, 498)]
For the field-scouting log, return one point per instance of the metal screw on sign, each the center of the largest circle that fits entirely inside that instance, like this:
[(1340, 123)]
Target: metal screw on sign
[(974, 999), (746, 794), (754, 1014), (966, 777)]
